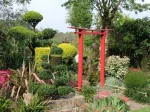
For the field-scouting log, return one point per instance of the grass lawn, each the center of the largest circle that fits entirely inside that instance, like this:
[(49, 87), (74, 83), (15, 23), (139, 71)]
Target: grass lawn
[(146, 109)]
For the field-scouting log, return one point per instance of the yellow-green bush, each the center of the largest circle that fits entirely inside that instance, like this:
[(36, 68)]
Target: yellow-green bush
[(69, 51), (39, 52)]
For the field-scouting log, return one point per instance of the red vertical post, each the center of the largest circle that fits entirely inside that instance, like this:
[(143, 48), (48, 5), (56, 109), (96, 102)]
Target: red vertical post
[(80, 62), (102, 59)]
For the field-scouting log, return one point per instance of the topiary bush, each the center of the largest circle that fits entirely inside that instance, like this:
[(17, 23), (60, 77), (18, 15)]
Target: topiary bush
[(39, 52), (136, 79), (47, 90), (56, 50), (137, 87), (69, 51), (45, 74), (64, 90), (45, 65)]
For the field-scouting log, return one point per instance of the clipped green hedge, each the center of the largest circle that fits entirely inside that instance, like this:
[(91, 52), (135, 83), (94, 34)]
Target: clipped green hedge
[(39, 52), (32, 17), (137, 86), (69, 51)]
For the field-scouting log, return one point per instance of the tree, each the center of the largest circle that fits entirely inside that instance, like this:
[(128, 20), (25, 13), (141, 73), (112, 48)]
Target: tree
[(33, 18), (22, 38), (48, 33), (132, 39), (80, 15), (106, 9)]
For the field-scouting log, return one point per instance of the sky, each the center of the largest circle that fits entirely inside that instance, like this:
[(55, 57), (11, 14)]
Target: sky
[(54, 15)]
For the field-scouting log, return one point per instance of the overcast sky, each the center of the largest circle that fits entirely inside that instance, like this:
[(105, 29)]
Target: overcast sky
[(54, 15)]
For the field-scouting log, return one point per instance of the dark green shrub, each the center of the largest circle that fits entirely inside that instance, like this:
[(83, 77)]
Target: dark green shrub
[(47, 90), (88, 92), (46, 65), (64, 90), (60, 67), (61, 81), (33, 87), (44, 58), (45, 74), (56, 50), (136, 79), (136, 83)]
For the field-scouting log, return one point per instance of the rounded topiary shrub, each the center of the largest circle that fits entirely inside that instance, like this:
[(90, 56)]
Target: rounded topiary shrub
[(135, 79), (56, 50), (64, 90), (69, 51), (45, 74), (47, 90)]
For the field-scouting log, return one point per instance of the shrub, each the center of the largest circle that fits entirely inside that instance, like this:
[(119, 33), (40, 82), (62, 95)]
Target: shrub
[(69, 51), (56, 50), (61, 81), (47, 90), (88, 92), (136, 83), (33, 87), (109, 104), (136, 79), (45, 65), (39, 52), (117, 67), (45, 74), (64, 90)]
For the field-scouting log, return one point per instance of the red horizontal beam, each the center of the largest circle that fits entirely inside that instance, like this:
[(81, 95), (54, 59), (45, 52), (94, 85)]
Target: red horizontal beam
[(95, 33)]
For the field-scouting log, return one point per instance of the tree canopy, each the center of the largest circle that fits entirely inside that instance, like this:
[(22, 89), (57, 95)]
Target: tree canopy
[(106, 9)]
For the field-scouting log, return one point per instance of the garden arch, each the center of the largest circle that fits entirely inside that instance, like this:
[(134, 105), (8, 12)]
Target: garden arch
[(81, 32)]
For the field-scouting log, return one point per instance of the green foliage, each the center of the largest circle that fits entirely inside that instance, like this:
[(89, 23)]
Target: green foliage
[(39, 52), (117, 67), (32, 17), (36, 105), (5, 105), (69, 51), (56, 50), (106, 13), (47, 91), (88, 92), (112, 81), (137, 86), (62, 81), (136, 79), (89, 40), (21, 34), (33, 87), (76, 13), (45, 74), (108, 104), (48, 33), (46, 65), (132, 43), (64, 90)]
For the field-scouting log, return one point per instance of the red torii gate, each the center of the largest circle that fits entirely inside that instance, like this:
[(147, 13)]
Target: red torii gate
[(81, 32)]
